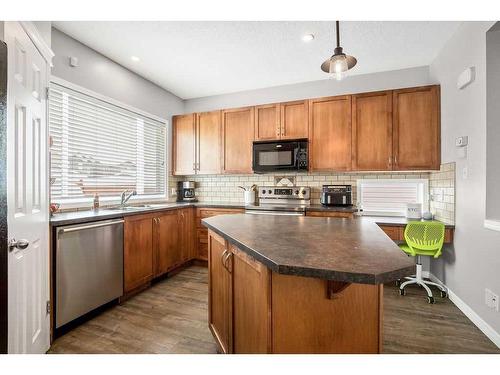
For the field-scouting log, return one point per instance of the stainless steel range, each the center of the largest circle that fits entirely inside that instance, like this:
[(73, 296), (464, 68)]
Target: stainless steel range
[(281, 200)]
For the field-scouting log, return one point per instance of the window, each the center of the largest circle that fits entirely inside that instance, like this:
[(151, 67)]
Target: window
[(390, 197), (100, 147)]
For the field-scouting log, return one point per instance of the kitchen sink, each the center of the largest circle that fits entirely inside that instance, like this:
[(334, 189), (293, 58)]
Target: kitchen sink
[(139, 207)]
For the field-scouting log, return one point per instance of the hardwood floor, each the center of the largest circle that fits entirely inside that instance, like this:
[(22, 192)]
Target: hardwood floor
[(171, 317)]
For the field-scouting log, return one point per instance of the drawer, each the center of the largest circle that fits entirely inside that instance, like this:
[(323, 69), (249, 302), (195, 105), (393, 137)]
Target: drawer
[(346, 215), (395, 233)]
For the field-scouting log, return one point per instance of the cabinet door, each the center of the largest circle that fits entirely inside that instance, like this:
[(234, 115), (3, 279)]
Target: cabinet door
[(416, 122), (294, 120), (330, 134), (184, 139), (372, 131), (251, 304), (166, 237), (267, 122), (208, 129), (237, 138), (138, 251), (219, 293), (187, 234)]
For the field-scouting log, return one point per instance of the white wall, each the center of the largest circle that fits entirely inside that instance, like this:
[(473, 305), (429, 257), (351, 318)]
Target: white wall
[(352, 84), (474, 264), (100, 74)]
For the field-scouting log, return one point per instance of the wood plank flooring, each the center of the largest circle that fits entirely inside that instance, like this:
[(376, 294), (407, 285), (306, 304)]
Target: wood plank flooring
[(171, 317)]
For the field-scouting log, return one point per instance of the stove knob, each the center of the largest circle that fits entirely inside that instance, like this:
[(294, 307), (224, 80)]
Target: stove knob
[(263, 192), (270, 191), (297, 192)]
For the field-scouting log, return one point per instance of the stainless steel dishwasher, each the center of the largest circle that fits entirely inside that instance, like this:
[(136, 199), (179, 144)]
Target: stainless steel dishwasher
[(89, 267)]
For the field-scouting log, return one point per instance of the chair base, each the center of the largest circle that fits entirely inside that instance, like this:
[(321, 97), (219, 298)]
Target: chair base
[(419, 280)]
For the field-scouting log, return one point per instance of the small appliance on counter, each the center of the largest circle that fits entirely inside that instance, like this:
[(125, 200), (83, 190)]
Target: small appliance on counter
[(185, 191), (336, 195), (414, 211)]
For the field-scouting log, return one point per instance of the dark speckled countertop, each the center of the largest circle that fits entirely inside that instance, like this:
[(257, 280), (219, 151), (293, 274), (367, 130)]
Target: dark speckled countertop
[(346, 250)]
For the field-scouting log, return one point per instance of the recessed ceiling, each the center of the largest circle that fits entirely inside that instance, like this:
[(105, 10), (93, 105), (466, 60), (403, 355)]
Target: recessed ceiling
[(196, 59)]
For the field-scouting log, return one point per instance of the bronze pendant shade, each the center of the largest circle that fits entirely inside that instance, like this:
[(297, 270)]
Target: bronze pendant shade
[(339, 63)]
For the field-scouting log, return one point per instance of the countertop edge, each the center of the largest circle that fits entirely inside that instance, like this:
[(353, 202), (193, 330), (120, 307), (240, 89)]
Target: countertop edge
[(357, 278)]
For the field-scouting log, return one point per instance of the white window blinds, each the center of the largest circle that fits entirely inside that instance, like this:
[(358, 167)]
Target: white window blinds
[(390, 197), (98, 147)]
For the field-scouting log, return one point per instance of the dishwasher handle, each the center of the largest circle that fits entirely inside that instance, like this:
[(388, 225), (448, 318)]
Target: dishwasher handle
[(89, 226)]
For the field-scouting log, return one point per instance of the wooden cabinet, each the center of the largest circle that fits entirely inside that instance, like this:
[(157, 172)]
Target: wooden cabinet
[(294, 119), (220, 292), (416, 127), (267, 122), (330, 134), (396, 232), (166, 242), (138, 251), (288, 120), (187, 234), (208, 139), (184, 143), (372, 131), (251, 304), (202, 232), (346, 215), (237, 139)]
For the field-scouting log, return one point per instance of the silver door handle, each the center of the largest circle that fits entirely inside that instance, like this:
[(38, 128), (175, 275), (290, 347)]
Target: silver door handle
[(19, 244), (97, 225)]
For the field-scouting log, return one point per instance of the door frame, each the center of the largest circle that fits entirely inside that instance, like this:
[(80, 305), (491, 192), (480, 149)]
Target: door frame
[(47, 54)]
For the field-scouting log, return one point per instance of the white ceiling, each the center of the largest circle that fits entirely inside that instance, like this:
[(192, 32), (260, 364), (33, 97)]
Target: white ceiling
[(196, 59)]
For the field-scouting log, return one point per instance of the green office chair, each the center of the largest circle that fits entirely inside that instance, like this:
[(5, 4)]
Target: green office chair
[(423, 238)]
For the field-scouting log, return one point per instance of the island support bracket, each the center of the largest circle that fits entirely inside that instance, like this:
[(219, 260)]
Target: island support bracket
[(335, 289)]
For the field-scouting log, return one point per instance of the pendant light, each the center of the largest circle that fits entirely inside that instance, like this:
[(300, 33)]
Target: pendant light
[(339, 63)]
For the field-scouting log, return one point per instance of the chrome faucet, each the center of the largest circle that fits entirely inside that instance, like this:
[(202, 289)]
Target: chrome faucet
[(126, 195)]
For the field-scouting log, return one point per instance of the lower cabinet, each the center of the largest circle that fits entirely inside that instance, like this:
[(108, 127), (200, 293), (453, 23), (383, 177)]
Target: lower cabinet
[(155, 244), (137, 251), (220, 293), (239, 301)]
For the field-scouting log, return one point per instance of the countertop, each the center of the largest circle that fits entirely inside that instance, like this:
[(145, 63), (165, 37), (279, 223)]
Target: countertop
[(345, 250)]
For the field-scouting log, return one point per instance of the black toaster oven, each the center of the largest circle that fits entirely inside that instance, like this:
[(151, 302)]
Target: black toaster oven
[(336, 195)]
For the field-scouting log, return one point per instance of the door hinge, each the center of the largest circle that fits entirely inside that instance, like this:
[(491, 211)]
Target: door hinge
[(48, 307)]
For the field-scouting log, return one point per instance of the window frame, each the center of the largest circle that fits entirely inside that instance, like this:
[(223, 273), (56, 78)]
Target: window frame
[(425, 194), (110, 200)]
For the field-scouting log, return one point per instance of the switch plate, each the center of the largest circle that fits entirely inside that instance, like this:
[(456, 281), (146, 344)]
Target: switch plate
[(491, 299), (462, 141)]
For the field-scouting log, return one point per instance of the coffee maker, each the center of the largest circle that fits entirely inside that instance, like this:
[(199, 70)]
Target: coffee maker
[(185, 191)]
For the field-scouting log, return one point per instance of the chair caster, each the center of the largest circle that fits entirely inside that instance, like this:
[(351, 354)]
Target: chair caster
[(402, 292), (430, 300), (398, 282), (443, 294)]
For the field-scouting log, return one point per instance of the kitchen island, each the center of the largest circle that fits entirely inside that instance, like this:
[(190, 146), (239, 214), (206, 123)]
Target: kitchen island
[(281, 284)]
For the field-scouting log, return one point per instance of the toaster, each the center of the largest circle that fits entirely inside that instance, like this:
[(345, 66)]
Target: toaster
[(336, 195)]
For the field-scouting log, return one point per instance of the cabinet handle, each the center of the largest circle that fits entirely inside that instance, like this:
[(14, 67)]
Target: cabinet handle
[(395, 160), (228, 256), (222, 258), (194, 166), (390, 161), (157, 220)]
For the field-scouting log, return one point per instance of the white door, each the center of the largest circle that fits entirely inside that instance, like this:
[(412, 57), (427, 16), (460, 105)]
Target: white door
[(27, 194)]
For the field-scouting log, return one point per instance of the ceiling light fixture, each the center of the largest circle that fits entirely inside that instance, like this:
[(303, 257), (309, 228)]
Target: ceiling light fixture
[(339, 63), (135, 58), (308, 37)]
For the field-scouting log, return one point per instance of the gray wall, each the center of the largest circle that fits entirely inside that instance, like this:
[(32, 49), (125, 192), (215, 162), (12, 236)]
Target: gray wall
[(493, 122), (100, 74), (474, 263), (353, 84)]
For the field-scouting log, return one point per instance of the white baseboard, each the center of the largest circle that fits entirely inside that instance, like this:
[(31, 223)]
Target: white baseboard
[(493, 335)]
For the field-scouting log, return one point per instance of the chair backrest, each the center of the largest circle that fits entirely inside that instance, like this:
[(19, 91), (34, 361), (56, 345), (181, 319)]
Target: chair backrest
[(425, 235)]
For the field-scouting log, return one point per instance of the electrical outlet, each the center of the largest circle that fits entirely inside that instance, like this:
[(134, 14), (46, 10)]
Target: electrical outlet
[(491, 299), (465, 173), (173, 191)]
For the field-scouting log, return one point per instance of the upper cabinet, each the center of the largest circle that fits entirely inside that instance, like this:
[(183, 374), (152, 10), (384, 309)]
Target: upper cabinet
[(184, 144), (237, 138), (372, 131), (330, 133), (208, 138), (267, 122), (294, 120), (375, 131), (416, 127), (282, 121)]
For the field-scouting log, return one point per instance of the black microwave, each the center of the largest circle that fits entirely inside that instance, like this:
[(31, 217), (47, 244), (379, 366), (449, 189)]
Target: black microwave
[(272, 156)]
